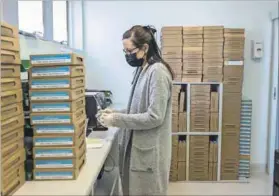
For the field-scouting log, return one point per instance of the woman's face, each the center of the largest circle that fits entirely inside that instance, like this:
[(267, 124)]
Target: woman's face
[(130, 48)]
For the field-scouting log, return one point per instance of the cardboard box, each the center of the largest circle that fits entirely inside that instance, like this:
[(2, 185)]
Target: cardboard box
[(9, 84), (232, 72), (182, 103), (10, 44), (13, 181), (188, 55), (191, 78), (232, 87), (57, 71), (10, 71), (8, 30), (171, 35), (212, 28), (181, 171), (57, 118), (230, 129), (210, 172), (230, 147), (58, 174), (229, 176), (192, 30), (11, 149), (10, 97), (60, 163), (172, 60), (213, 41), (56, 59), (214, 172), (204, 139), (56, 95), (9, 111), (234, 35), (56, 83), (59, 140), (58, 106), (172, 51), (12, 136), (182, 151), (192, 61), (213, 35), (212, 55), (200, 88), (214, 122), (212, 78), (172, 28), (12, 162), (10, 57), (192, 70), (186, 43), (213, 70), (182, 122), (197, 65), (193, 36), (234, 30), (64, 130), (209, 44), (198, 176), (172, 42), (192, 50), (175, 142), (214, 102), (12, 123)]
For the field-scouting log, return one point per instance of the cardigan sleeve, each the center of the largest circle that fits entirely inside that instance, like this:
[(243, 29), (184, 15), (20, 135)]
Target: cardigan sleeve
[(159, 95)]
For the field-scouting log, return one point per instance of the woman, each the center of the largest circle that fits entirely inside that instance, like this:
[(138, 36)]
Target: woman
[(145, 149)]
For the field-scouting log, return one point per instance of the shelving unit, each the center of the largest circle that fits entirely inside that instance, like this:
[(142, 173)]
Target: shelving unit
[(189, 133)]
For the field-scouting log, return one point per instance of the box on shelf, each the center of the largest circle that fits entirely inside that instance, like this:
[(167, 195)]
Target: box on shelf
[(11, 149), (57, 71), (10, 71), (182, 122), (12, 123), (181, 171), (9, 84), (214, 102), (177, 42), (58, 106), (12, 136), (11, 110), (56, 95), (59, 163), (214, 122), (10, 57), (212, 78), (58, 174), (64, 130), (182, 151), (194, 30), (191, 78), (56, 59), (56, 83), (171, 30), (9, 43), (10, 97), (13, 180), (8, 30), (12, 162)]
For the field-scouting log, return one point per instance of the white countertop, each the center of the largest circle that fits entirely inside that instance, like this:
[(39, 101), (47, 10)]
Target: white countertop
[(87, 177)]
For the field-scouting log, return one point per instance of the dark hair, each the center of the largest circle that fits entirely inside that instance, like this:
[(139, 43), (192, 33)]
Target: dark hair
[(145, 35)]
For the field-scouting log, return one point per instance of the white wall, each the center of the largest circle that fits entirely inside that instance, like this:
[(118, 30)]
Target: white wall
[(10, 11), (106, 21)]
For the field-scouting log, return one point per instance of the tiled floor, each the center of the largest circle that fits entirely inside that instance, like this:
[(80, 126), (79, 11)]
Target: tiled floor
[(257, 185)]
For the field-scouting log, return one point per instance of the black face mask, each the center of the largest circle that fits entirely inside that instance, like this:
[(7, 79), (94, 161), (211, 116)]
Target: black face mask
[(133, 60)]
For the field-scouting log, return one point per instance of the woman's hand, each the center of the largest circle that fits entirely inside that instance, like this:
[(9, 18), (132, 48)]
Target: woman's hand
[(106, 119)]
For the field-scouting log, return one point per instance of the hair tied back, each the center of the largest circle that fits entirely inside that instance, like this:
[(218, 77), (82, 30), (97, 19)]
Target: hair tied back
[(151, 29)]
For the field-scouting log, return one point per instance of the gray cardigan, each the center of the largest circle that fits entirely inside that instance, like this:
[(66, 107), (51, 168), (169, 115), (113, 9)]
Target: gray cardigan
[(145, 149)]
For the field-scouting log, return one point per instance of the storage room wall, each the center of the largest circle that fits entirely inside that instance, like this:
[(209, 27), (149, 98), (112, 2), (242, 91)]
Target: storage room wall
[(106, 21)]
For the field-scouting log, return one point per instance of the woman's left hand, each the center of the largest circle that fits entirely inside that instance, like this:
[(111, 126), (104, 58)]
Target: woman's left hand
[(106, 119)]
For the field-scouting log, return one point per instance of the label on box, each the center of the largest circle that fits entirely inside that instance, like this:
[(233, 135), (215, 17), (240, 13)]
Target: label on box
[(48, 119), (68, 163), (39, 153), (53, 107), (49, 95), (234, 63), (63, 83), (54, 141), (51, 71), (57, 58), (53, 129), (55, 175)]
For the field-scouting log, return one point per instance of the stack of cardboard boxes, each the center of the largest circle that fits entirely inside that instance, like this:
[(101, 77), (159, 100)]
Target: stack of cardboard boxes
[(181, 164), (200, 108), (171, 40), (12, 120), (213, 54), (57, 115), (192, 54), (199, 158), (182, 125), (233, 77)]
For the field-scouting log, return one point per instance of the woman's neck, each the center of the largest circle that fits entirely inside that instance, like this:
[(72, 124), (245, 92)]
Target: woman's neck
[(144, 65)]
